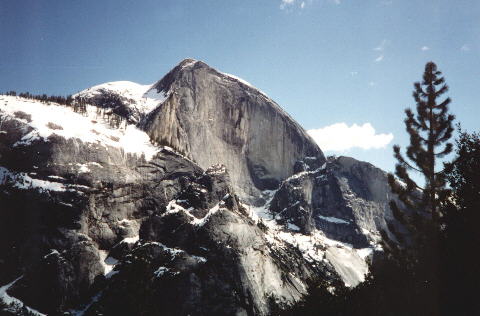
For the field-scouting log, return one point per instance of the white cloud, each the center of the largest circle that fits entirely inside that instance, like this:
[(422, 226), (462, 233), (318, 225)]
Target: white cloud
[(337, 1), (341, 137), (425, 48), (379, 59), (290, 4), (372, 84), (465, 48), (286, 4), (381, 46)]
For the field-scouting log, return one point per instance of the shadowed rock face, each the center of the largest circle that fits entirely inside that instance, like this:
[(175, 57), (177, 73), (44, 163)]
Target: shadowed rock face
[(347, 199), (216, 118)]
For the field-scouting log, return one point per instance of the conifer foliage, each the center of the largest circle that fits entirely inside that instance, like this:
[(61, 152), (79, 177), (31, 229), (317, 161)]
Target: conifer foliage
[(430, 130)]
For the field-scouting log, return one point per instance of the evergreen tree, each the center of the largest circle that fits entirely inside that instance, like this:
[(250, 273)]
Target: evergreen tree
[(430, 130), (461, 234)]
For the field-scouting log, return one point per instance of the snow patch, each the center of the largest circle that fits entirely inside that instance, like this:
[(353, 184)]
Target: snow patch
[(142, 98), (52, 252), (162, 271), (10, 300), (23, 181), (333, 219), (173, 208), (108, 263), (190, 63), (244, 82), (131, 240)]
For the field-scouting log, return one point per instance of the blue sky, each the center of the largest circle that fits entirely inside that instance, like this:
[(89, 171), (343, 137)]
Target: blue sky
[(325, 61)]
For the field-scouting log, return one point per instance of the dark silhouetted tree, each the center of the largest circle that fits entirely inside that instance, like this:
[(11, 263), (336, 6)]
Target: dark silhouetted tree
[(461, 233), (430, 130)]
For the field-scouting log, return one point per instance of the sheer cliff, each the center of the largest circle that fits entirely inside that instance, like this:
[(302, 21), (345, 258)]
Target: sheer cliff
[(214, 118)]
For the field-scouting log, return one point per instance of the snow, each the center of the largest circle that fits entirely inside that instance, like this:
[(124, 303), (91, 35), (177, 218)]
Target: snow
[(173, 208), (143, 98), (303, 173), (9, 300), (351, 267), (83, 168), (126, 222), (23, 181), (51, 177), (153, 95), (190, 63), (161, 271), (244, 82), (174, 252), (131, 240), (52, 252), (293, 227), (350, 263), (202, 221), (333, 219), (199, 259), (42, 185), (90, 128), (87, 306), (365, 252), (108, 263)]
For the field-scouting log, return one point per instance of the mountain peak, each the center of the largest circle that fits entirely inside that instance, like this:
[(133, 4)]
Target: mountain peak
[(187, 62), (167, 80), (213, 117)]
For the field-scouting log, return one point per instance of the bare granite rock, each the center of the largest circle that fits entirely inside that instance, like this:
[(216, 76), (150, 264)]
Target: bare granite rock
[(214, 118)]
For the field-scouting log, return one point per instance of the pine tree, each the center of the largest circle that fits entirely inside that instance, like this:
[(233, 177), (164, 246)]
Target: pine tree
[(461, 233), (430, 129)]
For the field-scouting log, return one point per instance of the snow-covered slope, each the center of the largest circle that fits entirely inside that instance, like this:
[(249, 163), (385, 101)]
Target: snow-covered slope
[(44, 120), (349, 262), (140, 99)]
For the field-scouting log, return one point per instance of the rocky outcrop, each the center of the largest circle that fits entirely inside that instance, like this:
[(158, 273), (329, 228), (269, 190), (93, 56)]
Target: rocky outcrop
[(216, 258), (215, 118), (347, 199)]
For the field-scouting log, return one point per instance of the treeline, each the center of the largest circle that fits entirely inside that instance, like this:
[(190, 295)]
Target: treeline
[(67, 101), (106, 105)]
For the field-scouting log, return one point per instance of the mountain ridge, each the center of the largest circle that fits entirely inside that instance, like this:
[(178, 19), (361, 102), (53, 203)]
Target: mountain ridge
[(112, 224)]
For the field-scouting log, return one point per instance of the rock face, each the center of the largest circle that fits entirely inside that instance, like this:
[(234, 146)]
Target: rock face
[(214, 257), (97, 219), (215, 118), (83, 220), (346, 199)]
